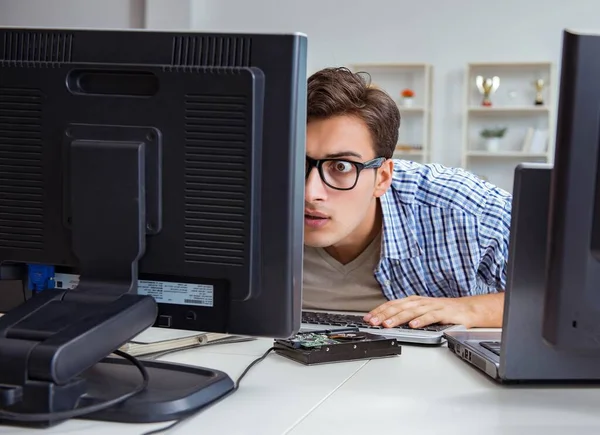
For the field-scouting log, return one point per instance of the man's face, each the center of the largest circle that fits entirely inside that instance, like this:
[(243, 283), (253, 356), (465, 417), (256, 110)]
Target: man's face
[(333, 216)]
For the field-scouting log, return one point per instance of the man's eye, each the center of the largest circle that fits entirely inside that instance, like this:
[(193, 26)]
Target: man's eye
[(343, 166)]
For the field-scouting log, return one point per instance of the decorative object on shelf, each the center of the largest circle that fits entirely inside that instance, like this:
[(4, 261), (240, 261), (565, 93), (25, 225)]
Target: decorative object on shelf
[(407, 97), (408, 147), (535, 141), (493, 154), (492, 137), (539, 87), (487, 86)]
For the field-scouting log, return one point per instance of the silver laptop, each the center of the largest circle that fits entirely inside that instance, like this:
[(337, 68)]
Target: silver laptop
[(518, 352), (316, 320)]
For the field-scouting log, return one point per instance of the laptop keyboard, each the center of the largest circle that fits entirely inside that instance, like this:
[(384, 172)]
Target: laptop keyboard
[(492, 346), (349, 320)]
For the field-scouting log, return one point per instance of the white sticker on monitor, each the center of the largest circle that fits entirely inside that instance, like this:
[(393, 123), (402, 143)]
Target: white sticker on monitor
[(66, 281), (178, 292)]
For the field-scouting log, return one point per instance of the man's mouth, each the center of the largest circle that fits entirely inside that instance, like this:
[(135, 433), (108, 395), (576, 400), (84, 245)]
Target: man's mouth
[(315, 219), (310, 216), (314, 215)]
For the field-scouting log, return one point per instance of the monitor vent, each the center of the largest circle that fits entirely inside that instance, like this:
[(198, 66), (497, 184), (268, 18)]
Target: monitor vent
[(216, 179), (21, 178), (211, 51), (38, 48)]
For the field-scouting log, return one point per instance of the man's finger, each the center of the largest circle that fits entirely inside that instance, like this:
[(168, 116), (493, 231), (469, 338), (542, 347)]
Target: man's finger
[(385, 306), (429, 318), (412, 307), (394, 309), (390, 308), (374, 312), (405, 316), (388, 313)]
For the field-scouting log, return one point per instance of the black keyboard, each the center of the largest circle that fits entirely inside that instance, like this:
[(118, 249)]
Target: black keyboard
[(492, 346), (349, 321)]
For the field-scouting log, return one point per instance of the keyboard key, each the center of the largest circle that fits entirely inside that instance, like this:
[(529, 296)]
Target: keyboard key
[(349, 320)]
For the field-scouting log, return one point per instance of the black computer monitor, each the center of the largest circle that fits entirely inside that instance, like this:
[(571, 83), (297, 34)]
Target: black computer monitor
[(572, 301), (162, 167)]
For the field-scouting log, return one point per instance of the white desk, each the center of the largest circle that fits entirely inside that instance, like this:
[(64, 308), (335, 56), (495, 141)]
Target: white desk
[(275, 394), (431, 391), (423, 391)]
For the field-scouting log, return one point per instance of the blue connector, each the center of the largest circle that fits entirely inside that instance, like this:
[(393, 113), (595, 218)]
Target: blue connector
[(41, 277)]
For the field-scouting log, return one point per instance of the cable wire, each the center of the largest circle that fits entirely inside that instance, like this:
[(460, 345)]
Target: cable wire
[(235, 388)]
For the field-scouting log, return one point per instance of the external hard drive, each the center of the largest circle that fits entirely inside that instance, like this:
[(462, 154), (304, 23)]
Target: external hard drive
[(318, 347)]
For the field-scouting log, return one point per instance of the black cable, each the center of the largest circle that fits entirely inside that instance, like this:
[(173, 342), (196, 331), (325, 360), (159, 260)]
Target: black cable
[(78, 412), (253, 363), (236, 385)]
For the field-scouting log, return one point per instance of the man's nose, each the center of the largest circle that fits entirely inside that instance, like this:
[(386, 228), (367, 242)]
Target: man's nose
[(315, 189)]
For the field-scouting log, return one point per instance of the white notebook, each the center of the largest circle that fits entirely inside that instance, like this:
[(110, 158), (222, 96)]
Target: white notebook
[(157, 340)]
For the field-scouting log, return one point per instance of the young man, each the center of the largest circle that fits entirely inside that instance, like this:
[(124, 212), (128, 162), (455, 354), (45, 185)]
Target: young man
[(401, 241)]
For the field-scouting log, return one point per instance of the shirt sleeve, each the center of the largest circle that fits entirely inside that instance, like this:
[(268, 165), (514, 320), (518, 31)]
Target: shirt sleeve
[(493, 235)]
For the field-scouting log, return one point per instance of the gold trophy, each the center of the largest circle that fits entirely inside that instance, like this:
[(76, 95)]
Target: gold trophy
[(539, 87), (487, 86)]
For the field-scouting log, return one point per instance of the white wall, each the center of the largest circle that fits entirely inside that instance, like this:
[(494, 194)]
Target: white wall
[(168, 14), (447, 34), (119, 14)]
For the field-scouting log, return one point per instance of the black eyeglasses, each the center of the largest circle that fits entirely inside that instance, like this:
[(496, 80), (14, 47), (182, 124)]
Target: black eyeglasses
[(341, 174)]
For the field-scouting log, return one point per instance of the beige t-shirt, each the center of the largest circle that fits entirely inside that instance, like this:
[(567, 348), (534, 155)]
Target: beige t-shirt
[(330, 285)]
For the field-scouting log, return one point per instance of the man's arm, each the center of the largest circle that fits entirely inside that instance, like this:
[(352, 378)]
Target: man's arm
[(480, 311), (493, 235), (485, 307), (488, 310)]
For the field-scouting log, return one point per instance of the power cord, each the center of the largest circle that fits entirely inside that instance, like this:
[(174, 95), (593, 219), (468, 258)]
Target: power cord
[(78, 412), (236, 385)]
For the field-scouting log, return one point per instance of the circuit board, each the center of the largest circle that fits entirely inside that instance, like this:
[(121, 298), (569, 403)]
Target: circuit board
[(315, 339), (331, 346)]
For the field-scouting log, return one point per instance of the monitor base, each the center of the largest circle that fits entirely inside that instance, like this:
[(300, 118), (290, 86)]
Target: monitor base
[(174, 390)]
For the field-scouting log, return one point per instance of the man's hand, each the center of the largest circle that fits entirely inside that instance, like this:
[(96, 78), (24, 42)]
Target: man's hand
[(418, 311)]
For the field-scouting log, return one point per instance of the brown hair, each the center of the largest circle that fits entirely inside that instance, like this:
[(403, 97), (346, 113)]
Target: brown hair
[(339, 91)]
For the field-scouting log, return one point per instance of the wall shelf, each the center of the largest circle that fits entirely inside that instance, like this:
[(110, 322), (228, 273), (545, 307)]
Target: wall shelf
[(508, 109), (415, 124), (529, 127), (506, 154)]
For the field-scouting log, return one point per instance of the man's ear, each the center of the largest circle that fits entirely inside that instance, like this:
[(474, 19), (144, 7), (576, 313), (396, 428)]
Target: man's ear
[(384, 178)]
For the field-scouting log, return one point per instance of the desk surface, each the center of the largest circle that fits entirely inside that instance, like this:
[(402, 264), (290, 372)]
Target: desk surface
[(424, 391)]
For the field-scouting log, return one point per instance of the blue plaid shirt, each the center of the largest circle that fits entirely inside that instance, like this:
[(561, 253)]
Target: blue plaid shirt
[(445, 233)]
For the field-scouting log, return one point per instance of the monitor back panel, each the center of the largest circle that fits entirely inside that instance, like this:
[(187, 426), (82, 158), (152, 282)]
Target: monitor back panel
[(198, 101), (524, 355)]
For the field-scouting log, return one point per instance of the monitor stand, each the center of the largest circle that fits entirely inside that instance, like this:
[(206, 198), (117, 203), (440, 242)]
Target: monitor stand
[(174, 390), (56, 348)]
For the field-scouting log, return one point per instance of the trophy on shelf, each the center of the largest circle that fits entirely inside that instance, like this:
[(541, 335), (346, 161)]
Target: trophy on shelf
[(487, 86), (539, 87)]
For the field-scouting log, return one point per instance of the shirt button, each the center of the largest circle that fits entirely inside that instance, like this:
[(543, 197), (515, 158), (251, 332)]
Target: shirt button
[(387, 282)]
